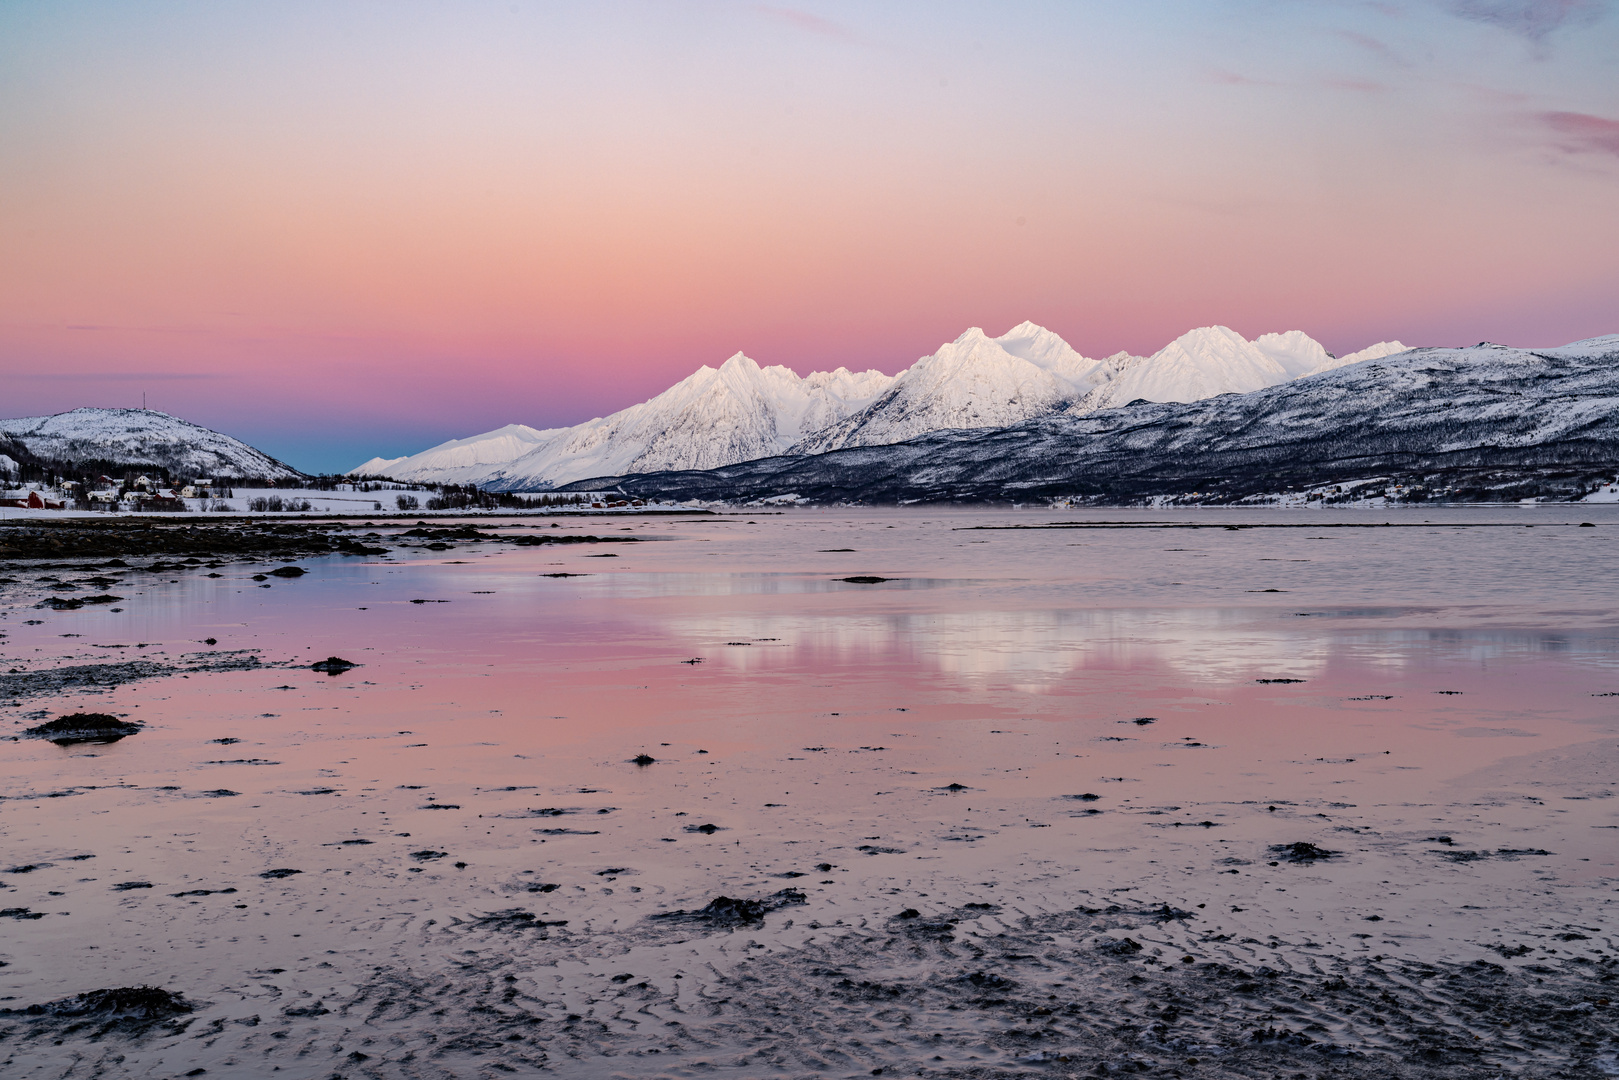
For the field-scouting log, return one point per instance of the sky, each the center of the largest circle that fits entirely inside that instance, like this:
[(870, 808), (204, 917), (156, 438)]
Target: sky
[(340, 229)]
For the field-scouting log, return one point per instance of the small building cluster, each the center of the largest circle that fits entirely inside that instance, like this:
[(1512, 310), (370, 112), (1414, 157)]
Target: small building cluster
[(108, 493)]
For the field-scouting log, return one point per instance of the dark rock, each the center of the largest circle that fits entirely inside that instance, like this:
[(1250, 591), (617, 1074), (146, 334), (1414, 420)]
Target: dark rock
[(83, 728), (282, 872), (643, 760), (516, 919), (865, 579), (1301, 852), (987, 981), (288, 571), (138, 1003), (333, 665), (20, 913), (729, 911)]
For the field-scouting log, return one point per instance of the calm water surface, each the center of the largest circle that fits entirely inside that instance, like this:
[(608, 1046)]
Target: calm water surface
[(1218, 690)]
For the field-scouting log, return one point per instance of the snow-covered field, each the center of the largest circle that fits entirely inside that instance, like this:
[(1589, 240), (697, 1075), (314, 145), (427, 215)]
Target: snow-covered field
[(326, 503)]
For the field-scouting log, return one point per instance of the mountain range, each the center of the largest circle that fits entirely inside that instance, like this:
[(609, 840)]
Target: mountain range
[(1021, 417), (741, 411), (1485, 422)]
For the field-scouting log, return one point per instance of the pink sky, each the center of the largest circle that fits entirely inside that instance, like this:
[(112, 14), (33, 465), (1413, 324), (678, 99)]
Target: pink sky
[(339, 230)]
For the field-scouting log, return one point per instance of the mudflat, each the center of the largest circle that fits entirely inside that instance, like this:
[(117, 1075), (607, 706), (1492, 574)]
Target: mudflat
[(818, 793)]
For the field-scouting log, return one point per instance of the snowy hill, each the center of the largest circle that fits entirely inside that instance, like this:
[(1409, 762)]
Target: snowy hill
[(377, 466), (137, 437), (736, 412), (1371, 352), (713, 417), (462, 461), (1481, 422), (1217, 360), (1198, 364), (741, 411)]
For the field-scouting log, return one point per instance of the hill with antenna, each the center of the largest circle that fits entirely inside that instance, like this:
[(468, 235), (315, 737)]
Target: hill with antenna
[(120, 439)]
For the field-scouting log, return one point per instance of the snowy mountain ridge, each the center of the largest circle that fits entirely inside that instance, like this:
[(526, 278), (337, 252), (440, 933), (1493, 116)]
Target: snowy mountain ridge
[(142, 437), (1488, 422), (741, 411), (973, 382), (714, 416)]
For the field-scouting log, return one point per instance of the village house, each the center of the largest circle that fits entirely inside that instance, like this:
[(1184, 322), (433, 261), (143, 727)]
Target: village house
[(30, 500)]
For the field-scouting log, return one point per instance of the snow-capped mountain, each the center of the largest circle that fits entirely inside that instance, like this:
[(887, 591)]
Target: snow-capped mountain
[(1199, 364), (463, 461), (1481, 422), (1046, 350), (741, 411), (138, 437), (974, 382), (715, 416), (1371, 352), (1216, 360)]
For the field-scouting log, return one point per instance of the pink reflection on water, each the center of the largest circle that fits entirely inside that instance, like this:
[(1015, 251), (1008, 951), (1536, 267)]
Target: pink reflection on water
[(823, 717)]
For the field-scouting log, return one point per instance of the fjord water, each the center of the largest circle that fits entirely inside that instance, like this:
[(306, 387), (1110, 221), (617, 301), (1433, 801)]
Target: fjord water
[(1035, 710)]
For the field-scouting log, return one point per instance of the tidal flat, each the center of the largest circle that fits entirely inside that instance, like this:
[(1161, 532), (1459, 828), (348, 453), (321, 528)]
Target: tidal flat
[(816, 793)]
